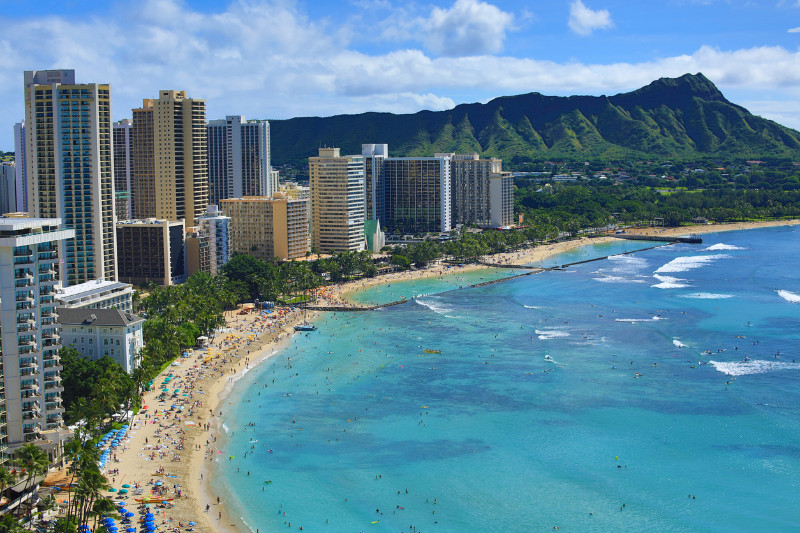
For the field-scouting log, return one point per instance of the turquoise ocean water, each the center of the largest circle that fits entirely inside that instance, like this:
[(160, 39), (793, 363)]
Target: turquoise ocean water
[(655, 391)]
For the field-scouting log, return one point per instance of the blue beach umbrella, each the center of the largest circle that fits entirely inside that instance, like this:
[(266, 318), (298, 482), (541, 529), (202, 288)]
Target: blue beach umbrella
[(130, 529)]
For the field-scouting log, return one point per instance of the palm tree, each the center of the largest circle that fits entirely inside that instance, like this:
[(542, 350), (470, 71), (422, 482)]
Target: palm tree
[(6, 478), (34, 461), (9, 524)]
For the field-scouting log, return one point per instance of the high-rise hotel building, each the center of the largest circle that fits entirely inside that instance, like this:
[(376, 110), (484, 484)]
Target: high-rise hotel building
[(68, 154), (239, 159), (268, 227), (29, 338), (122, 168), (337, 201), (169, 159)]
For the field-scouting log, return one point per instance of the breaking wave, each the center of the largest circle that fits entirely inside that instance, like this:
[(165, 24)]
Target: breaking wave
[(789, 296), (706, 296), (755, 366), (690, 262)]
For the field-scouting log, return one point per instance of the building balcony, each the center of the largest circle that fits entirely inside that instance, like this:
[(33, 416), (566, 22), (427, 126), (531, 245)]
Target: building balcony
[(25, 319), (28, 364), (51, 334), (29, 387), (32, 416), (27, 342)]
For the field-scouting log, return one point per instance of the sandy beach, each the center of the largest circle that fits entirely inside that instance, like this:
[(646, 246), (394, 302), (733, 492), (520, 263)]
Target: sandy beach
[(170, 447)]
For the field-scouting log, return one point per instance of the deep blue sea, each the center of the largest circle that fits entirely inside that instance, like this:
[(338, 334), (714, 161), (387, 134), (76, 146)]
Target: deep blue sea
[(654, 391)]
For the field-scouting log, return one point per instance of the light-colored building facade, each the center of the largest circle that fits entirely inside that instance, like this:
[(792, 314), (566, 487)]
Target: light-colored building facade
[(20, 160), (170, 162), (122, 168), (68, 157), (501, 200), (97, 294), (374, 154), (218, 228), (239, 159), (152, 250), (97, 333), (29, 336), (268, 227), (337, 201)]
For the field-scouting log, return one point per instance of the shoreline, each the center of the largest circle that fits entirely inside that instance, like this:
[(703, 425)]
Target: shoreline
[(242, 351)]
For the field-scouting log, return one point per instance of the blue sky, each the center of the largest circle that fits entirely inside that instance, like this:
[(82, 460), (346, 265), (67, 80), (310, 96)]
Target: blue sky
[(284, 58)]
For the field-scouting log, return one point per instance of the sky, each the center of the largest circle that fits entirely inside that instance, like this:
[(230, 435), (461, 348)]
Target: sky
[(276, 59)]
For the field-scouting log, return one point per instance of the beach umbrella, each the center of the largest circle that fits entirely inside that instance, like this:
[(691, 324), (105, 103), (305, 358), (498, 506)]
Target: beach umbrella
[(158, 483), (112, 489), (130, 529), (128, 514), (126, 486), (83, 527), (192, 524), (123, 491)]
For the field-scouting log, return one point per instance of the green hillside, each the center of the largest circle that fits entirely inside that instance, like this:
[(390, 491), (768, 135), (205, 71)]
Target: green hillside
[(684, 118)]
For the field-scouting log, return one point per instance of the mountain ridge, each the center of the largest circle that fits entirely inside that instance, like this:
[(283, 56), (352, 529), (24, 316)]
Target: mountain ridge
[(684, 118)]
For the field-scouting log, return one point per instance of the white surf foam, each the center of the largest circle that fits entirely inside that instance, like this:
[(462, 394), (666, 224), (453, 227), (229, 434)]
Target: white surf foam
[(434, 305), (532, 306), (789, 296), (678, 344), (689, 262), (755, 366), (547, 334), (669, 282), (720, 246), (706, 296), (639, 319), (617, 279)]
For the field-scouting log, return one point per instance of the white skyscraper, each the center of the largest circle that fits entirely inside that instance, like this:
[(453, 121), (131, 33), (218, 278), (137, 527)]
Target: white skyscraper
[(239, 159), (29, 325)]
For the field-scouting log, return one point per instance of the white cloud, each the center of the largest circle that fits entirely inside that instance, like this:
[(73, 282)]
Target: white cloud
[(267, 59), (584, 21), (468, 28), (793, 30)]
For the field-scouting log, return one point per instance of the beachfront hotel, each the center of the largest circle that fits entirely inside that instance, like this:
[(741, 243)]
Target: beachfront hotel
[(337, 201), (97, 294), (416, 195), (29, 338), (268, 227), (68, 155), (97, 333), (239, 159), (122, 168), (152, 251), (218, 228), (169, 169)]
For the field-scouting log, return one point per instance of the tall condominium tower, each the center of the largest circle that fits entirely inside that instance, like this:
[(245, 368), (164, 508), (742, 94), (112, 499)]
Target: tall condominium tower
[(170, 164), (21, 166), (374, 154), (470, 178), (122, 168), (69, 170), (416, 192), (29, 326), (239, 159), (337, 201)]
